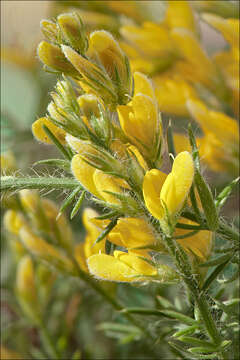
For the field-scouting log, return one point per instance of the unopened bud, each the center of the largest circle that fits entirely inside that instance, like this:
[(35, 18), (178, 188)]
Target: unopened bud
[(52, 56), (73, 31)]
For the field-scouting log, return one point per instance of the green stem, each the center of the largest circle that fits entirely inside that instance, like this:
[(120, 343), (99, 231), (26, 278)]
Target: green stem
[(48, 343), (16, 183), (184, 267)]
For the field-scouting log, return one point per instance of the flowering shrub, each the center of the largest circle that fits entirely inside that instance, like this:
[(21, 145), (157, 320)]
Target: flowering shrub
[(151, 219)]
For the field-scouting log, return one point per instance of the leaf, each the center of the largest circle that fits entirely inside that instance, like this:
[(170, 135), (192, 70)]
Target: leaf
[(60, 147), (195, 152), (219, 260), (64, 164), (107, 230), (206, 201), (167, 313), (214, 275), (170, 142), (69, 199), (77, 205)]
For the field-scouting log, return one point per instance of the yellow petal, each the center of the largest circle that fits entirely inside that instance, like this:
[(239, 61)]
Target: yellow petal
[(89, 105), (109, 268), (178, 183), (105, 182), (134, 232), (25, 277), (172, 94), (93, 231), (143, 85), (181, 143), (84, 174), (45, 251), (52, 56), (180, 15), (13, 221), (40, 134), (152, 185), (80, 146), (79, 254), (196, 61), (139, 120), (228, 27), (133, 149), (200, 244), (222, 126), (136, 263)]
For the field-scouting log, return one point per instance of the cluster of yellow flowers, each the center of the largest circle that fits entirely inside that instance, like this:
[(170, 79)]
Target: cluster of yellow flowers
[(109, 124), (105, 117)]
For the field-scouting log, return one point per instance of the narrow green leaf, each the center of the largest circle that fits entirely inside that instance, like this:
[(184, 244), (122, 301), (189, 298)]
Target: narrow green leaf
[(64, 164), (214, 262), (186, 331), (234, 277), (207, 201), (225, 193), (107, 230), (195, 153), (170, 142), (117, 327), (195, 341), (60, 147), (77, 205), (203, 350), (108, 215), (163, 302), (69, 199), (214, 275), (168, 313)]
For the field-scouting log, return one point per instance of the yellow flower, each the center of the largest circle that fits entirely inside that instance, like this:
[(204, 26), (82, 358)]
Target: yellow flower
[(151, 47), (132, 233), (13, 221), (44, 251), (40, 134), (139, 119), (94, 228), (200, 244), (121, 267), (172, 92), (222, 126), (7, 163), (196, 65), (103, 46), (26, 288), (165, 195), (52, 56), (25, 279), (180, 15), (73, 31)]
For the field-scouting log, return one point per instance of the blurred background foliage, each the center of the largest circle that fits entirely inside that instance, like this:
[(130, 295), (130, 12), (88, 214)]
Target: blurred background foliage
[(74, 312)]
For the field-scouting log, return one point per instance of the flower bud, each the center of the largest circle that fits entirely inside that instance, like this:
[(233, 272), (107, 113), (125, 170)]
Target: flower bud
[(49, 30), (39, 133), (45, 251), (26, 288), (13, 221), (73, 31), (52, 56), (94, 77)]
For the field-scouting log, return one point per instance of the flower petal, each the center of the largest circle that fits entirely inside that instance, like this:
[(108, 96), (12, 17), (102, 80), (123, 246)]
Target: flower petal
[(152, 185)]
